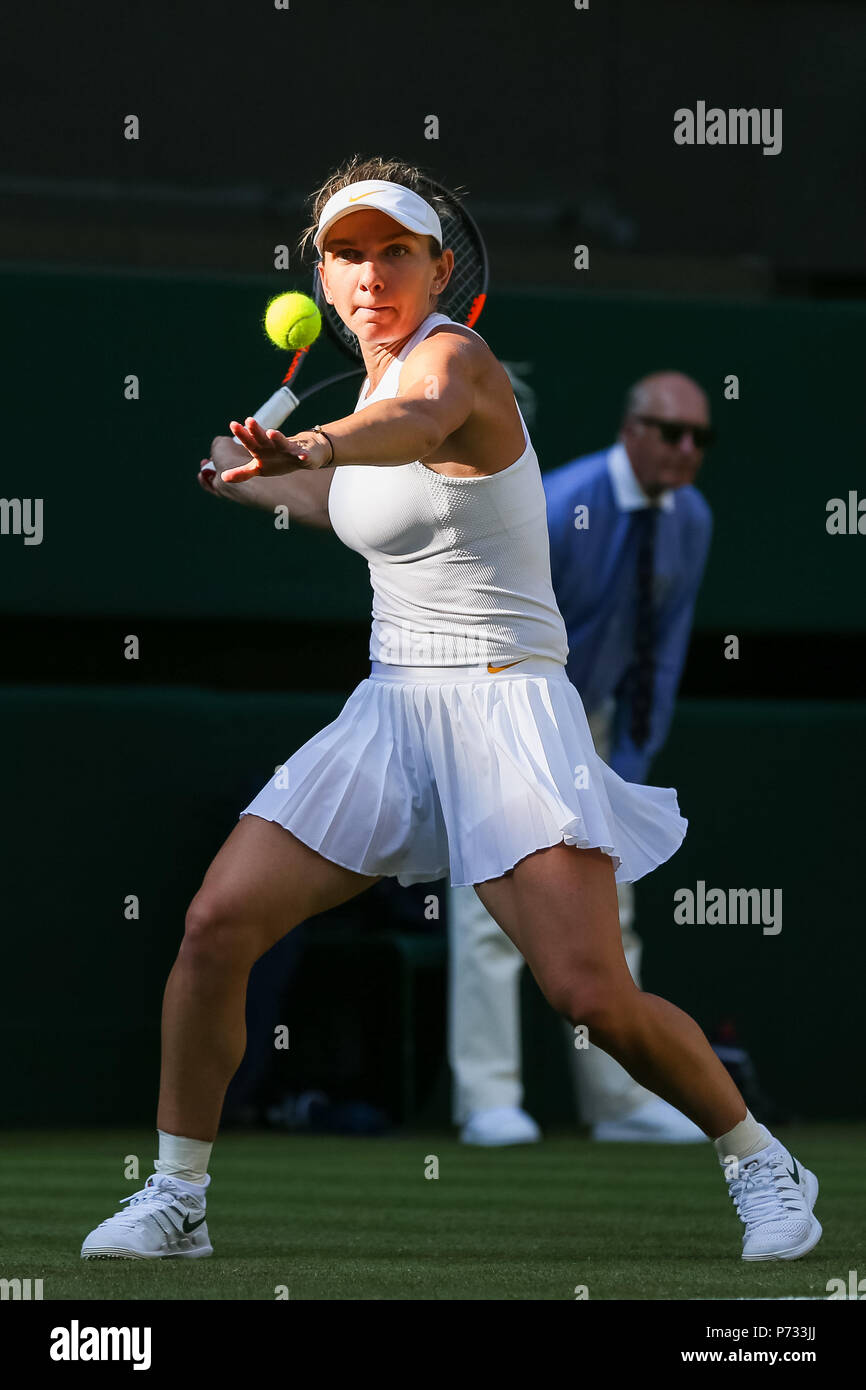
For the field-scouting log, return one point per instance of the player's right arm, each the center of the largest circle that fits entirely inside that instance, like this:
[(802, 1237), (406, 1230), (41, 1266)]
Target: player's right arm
[(304, 492)]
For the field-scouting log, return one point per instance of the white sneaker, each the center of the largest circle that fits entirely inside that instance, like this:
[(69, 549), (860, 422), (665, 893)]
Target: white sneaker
[(774, 1196), (501, 1125), (164, 1220), (656, 1122)]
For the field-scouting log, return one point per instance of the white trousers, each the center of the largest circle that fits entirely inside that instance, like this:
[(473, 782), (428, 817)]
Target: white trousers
[(484, 969)]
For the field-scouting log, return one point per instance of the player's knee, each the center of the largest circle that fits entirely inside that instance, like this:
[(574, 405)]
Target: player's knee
[(215, 929), (592, 1000)]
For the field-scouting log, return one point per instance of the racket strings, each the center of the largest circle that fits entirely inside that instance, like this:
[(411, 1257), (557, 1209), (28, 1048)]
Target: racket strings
[(469, 276)]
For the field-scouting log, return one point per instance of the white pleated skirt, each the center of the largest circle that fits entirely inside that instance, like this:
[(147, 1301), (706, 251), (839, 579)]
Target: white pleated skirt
[(435, 772)]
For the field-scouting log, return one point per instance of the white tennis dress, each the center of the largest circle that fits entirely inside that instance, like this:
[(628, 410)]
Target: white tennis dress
[(467, 747)]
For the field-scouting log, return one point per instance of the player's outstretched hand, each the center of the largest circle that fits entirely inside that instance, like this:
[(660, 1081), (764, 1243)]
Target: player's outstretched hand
[(274, 453)]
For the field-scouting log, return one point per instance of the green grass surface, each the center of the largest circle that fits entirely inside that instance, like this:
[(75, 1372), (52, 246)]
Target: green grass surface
[(335, 1218)]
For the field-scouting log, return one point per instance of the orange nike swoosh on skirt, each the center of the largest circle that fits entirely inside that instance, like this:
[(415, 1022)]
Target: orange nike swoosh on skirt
[(494, 669)]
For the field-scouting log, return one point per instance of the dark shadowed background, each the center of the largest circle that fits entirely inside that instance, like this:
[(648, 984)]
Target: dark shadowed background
[(155, 257)]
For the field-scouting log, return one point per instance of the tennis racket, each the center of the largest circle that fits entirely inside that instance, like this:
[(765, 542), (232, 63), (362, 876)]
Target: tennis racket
[(463, 300), (285, 400)]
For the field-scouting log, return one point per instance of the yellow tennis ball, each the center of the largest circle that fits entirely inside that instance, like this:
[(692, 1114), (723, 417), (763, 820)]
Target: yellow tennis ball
[(292, 320)]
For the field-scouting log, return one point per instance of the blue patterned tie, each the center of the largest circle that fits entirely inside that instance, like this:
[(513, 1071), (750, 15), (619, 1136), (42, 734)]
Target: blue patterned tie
[(642, 683)]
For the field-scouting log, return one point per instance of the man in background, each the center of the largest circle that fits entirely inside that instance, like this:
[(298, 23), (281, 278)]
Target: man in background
[(629, 536)]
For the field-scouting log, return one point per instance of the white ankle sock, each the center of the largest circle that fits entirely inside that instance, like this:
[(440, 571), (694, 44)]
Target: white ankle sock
[(183, 1158), (743, 1140)]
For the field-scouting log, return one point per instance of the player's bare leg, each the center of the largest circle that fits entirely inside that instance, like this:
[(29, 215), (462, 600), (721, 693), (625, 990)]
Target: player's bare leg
[(559, 907), (260, 885)]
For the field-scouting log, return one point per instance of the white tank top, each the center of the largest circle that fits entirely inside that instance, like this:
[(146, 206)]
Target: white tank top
[(460, 567)]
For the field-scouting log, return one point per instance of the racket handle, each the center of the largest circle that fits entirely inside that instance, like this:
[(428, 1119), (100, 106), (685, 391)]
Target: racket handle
[(270, 416), (277, 408)]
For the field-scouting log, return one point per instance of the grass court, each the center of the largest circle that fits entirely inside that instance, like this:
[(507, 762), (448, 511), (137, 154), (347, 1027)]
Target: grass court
[(345, 1218)]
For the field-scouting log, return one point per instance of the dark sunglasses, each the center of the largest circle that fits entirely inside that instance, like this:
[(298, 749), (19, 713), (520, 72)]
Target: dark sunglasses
[(672, 431)]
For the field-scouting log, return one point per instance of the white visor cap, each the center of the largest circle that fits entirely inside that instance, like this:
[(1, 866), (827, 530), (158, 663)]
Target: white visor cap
[(406, 207)]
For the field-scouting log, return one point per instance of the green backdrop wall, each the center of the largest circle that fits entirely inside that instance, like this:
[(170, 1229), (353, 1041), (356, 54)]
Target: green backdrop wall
[(115, 792), (110, 791), (127, 530)]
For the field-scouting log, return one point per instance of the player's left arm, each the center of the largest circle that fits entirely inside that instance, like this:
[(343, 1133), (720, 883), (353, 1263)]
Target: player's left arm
[(438, 385)]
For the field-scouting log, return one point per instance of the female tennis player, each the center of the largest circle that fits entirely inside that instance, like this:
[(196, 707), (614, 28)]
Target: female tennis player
[(466, 752)]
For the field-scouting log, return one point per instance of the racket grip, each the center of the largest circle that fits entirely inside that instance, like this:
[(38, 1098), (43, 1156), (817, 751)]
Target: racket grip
[(270, 416), (277, 408)]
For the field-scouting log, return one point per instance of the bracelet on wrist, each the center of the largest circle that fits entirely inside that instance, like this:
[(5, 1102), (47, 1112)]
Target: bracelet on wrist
[(317, 429)]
